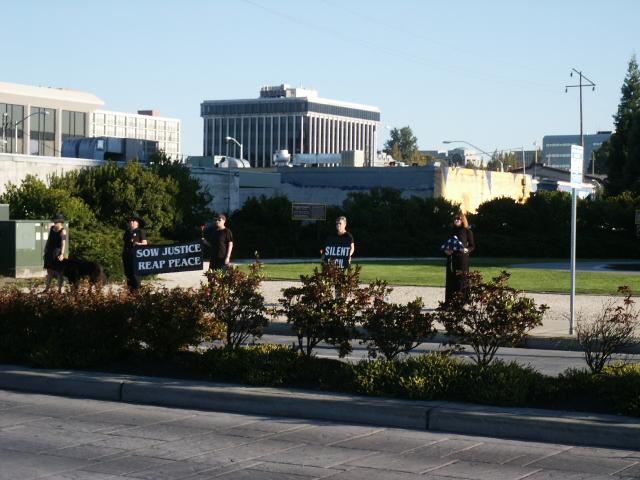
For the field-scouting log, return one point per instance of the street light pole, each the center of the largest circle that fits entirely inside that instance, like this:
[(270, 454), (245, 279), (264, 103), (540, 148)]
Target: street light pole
[(4, 131), (15, 126), (231, 140), (477, 148)]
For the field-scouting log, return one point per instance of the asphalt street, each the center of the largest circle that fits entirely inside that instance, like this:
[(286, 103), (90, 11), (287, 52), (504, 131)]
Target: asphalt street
[(61, 438), (548, 362)]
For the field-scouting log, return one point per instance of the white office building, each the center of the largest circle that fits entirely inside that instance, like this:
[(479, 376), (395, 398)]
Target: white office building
[(287, 118), (36, 120)]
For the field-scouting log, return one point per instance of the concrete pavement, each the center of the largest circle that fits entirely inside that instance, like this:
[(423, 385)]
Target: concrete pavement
[(61, 438), (530, 424)]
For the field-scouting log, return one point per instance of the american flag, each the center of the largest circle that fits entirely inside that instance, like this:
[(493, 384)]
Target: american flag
[(453, 243)]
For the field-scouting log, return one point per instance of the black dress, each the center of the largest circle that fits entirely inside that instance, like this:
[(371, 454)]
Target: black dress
[(458, 263), (130, 236), (52, 250)]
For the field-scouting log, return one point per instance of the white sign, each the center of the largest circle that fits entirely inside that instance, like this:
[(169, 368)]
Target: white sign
[(577, 161)]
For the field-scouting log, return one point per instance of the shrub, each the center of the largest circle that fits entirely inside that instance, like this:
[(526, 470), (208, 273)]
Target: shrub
[(168, 321), (425, 377), (610, 331), (276, 365), (325, 307), (393, 328), (233, 299), (489, 315), (80, 328)]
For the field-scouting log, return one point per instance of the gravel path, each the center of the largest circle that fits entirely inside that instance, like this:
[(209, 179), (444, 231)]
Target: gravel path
[(555, 323)]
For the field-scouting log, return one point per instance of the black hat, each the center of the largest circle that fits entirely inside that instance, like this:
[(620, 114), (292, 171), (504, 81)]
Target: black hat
[(137, 218), (58, 218)]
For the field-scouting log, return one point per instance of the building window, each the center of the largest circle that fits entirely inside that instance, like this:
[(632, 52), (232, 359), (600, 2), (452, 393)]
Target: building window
[(73, 125), (43, 131), (9, 116)]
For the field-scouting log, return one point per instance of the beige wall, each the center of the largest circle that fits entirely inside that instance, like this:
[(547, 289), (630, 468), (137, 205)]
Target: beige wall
[(14, 168), (470, 187)]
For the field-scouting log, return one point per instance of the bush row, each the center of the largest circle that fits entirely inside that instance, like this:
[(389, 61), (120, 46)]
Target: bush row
[(434, 376), (384, 223), (86, 328)]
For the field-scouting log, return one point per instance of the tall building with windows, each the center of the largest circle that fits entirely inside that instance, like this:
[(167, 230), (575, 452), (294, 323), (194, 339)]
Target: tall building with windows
[(143, 126), (286, 118), (36, 120), (556, 149)]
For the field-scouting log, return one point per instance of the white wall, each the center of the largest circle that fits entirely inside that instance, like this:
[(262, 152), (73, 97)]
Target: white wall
[(14, 168)]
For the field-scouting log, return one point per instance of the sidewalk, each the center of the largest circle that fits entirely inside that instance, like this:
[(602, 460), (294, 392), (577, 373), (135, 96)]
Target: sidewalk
[(518, 423)]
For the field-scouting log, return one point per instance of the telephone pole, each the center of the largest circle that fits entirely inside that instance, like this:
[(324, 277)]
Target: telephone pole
[(574, 200), (580, 85)]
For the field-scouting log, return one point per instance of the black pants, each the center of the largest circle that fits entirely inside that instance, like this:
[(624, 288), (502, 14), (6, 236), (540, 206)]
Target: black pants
[(217, 264), (133, 281), (457, 266)]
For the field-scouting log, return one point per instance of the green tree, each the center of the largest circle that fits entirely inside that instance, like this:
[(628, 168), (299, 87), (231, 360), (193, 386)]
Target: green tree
[(621, 154), (402, 142), (191, 203)]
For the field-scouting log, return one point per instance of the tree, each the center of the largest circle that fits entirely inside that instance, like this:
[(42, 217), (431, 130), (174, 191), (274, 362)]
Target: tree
[(621, 154), (402, 142)]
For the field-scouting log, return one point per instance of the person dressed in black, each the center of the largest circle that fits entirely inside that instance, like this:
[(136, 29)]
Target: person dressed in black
[(220, 239), (133, 235), (457, 253), (54, 252), (340, 247)]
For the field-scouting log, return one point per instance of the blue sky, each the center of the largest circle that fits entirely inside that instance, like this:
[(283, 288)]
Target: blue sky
[(489, 72)]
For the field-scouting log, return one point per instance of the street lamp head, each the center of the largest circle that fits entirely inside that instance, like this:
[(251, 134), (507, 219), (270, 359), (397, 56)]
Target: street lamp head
[(446, 141), (228, 139)]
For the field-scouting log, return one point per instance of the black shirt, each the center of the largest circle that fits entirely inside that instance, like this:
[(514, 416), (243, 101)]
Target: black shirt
[(219, 240), (130, 236)]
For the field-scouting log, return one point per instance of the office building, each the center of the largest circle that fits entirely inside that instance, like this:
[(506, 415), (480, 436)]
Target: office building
[(556, 149), (286, 118), (37, 120)]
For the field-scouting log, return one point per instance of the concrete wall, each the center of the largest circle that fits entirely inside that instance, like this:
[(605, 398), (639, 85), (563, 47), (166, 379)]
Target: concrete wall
[(232, 187), (14, 168), (470, 187), (223, 184)]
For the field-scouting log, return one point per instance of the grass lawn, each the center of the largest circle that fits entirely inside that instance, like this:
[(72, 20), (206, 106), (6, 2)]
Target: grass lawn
[(432, 273)]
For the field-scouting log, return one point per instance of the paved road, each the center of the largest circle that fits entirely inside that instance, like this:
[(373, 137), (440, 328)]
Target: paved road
[(61, 438), (548, 362)]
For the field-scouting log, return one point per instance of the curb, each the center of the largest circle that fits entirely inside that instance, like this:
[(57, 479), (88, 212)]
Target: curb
[(519, 423)]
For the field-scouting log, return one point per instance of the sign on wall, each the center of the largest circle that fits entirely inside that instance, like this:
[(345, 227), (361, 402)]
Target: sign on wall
[(179, 257), (308, 211)]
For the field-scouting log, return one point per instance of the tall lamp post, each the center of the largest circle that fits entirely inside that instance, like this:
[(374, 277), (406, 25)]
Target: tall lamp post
[(231, 140), (15, 126), (477, 148), (5, 115)]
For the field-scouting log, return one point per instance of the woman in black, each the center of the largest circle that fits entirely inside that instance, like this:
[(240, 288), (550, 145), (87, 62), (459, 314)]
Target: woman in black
[(134, 235), (54, 251), (458, 258)]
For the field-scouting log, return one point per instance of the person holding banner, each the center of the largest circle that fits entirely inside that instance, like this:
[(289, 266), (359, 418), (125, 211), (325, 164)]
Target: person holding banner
[(134, 235), (457, 249), (341, 247), (221, 242)]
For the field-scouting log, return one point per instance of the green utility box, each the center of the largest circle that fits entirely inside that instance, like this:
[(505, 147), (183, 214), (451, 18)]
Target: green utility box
[(22, 249)]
